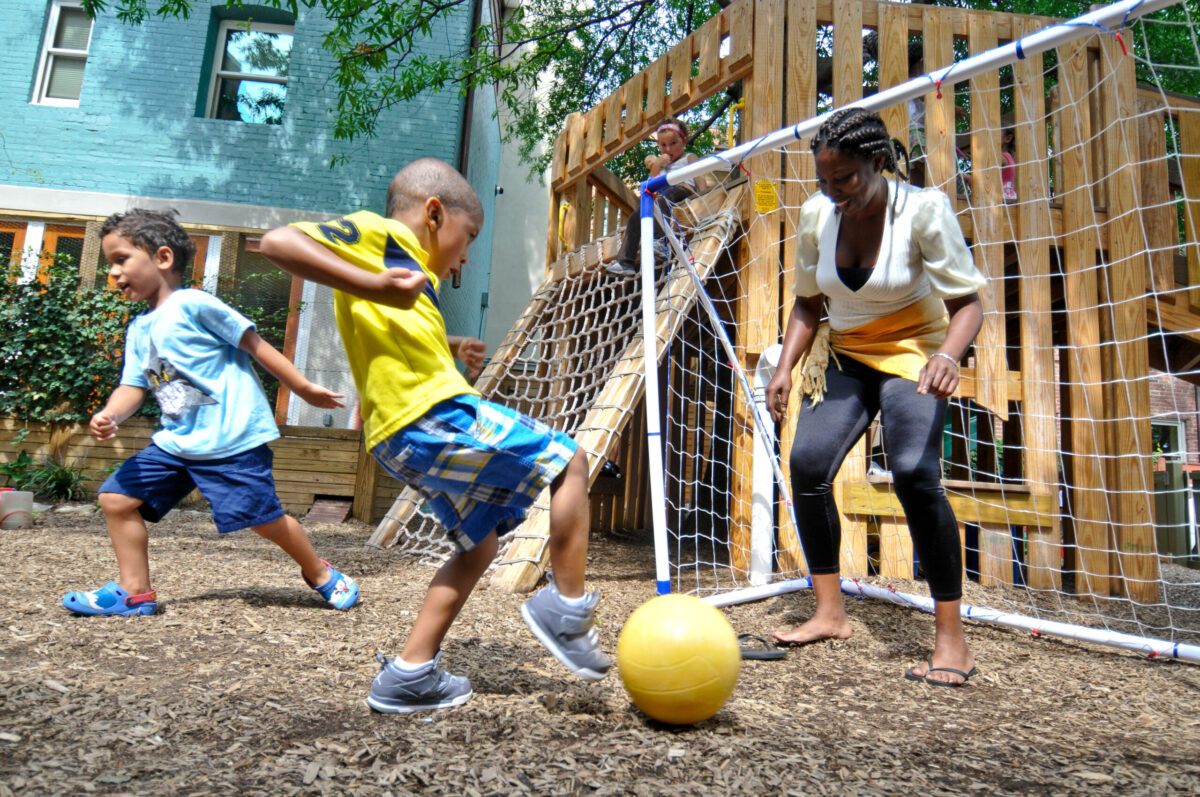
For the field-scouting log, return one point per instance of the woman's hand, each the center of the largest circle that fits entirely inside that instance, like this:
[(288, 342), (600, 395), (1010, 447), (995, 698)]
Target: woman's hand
[(939, 376), (777, 393)]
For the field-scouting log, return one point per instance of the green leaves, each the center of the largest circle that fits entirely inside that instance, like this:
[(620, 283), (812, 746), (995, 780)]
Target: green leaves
[(62, 356)]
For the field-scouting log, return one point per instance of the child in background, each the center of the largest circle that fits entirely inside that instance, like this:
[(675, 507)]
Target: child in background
[(479, 465), (190, 349)]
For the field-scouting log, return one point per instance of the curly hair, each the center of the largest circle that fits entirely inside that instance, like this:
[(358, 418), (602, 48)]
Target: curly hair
[(860, 134), (151, 229)]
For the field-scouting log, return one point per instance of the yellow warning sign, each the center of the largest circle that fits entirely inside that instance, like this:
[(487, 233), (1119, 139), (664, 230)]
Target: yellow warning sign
[(765, 197)]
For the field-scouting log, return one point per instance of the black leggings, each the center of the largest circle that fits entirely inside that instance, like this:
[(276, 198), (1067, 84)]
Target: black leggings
[(912, 437), (631, 244)]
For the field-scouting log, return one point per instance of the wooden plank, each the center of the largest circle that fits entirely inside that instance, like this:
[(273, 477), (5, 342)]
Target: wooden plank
[(681, 74), (800, 176), (612, 119), (634, 97), (1037, 344), (1158, 207), (756, 308), (847, 53), (893, 65), (987, 502), (995, 554), (367, 473), (986, 214), (656, 91), (708, 37), (1084, 442), (895, 547), (741, 34), (1127, 267), (594, 133), (941, 164), (1189, 143), (852, 555)]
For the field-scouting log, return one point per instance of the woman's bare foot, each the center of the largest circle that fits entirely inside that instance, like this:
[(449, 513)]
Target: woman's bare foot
[(815, 629)]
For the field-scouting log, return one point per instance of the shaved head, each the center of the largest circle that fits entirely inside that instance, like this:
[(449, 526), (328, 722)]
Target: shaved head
[(430, 177)]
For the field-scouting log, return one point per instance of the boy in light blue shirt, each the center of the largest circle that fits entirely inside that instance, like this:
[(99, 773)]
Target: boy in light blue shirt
[(193, 352)]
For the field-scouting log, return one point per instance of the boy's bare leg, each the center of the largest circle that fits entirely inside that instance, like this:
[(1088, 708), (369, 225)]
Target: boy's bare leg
[(130, 541), (829, 621), (570, 520), (288, 534), (448, 591)]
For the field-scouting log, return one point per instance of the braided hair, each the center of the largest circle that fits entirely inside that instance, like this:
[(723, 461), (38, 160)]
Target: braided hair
[(861, 134)]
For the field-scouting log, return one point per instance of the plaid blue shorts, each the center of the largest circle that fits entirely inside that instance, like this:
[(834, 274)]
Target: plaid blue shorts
[(479, 465)]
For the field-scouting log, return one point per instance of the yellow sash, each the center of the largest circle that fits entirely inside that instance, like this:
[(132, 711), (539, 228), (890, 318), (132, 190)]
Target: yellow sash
[(899, 344)]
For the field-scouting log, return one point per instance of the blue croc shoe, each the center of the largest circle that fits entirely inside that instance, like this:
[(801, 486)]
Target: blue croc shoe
[(339, 591), (110, 600)]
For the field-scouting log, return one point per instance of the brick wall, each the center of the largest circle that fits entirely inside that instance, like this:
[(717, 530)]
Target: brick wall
[(136, 132)]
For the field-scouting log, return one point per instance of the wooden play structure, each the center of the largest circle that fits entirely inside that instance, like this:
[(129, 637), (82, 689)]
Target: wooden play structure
[(1082, 299)]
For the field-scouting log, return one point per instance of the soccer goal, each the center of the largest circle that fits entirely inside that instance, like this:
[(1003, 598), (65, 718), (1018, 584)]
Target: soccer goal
[(1072, 156)]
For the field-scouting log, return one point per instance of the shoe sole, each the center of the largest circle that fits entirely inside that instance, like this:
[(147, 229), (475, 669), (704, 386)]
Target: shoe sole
[(548, 641), (141, 608), (408, 708)]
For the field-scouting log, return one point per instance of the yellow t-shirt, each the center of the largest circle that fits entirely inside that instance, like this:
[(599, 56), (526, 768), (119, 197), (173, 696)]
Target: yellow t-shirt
[(401, 360)]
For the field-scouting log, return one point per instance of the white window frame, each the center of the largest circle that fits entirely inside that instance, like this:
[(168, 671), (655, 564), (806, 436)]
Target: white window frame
[(49, 52), (223, 29)]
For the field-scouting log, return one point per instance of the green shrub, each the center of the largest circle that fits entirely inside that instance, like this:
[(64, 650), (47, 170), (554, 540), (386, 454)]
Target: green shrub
[(50, 478), (60, 354)]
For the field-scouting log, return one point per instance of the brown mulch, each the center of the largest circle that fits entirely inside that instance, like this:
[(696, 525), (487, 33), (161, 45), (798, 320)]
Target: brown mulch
[(245, 683)]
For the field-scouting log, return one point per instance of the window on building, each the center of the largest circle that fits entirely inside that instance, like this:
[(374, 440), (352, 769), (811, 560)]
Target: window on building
[(250, 72), (12, 241), (64, 55)]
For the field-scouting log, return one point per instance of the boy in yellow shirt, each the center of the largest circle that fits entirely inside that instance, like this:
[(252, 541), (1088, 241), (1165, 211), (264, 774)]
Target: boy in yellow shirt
[(479, 465)]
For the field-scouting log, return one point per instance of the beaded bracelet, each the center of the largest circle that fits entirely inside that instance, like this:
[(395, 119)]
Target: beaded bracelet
[(943, 354)]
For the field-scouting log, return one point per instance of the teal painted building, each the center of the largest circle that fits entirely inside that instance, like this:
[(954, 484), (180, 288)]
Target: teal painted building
[(226, 117)]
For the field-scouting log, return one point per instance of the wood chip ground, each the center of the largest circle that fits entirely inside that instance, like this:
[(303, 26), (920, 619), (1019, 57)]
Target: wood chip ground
[(245, 683)]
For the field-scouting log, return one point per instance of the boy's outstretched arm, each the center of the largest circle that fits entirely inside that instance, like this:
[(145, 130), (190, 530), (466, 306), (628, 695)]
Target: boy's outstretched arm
[(123, 402), (279, 367), (295, 252)]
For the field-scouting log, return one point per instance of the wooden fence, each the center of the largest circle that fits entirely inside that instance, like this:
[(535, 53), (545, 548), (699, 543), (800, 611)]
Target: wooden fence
[(1090, 223), (310, 462)]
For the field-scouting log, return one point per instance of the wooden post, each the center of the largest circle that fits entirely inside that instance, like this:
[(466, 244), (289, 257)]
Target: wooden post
[(757, 306), (367, 474), (986, 216), (942, 164), (1189, 141), (1127, 272), (1037, 344), (1083, 443), (800, 171)]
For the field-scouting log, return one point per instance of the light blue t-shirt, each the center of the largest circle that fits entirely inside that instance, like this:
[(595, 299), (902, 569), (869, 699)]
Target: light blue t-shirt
[(186, 352)]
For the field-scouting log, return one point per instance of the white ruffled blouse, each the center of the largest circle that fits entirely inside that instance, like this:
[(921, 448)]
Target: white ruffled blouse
[(922, 251)]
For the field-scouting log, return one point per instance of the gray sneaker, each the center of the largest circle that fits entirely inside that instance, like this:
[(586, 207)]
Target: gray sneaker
[(396, 691), (567, 631), (623, 270)]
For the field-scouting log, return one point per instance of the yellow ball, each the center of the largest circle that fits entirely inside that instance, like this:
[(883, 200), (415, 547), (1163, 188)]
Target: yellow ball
[(679, 659)]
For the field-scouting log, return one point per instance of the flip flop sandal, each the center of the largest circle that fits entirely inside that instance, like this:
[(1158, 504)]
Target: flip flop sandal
[(755, 647), (966, 676), (912, 676)]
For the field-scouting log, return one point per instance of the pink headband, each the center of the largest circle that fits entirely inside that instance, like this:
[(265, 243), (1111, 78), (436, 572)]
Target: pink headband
[(671, 126)]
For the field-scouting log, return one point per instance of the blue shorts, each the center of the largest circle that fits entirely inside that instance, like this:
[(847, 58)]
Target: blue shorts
[(479, 465), (240, 488)]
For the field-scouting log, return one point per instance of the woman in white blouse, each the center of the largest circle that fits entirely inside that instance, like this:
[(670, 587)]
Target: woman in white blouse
[(888, 264)]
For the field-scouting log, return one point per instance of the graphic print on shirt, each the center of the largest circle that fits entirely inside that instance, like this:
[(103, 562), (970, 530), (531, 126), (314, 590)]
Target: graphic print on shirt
[(174, 392)]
